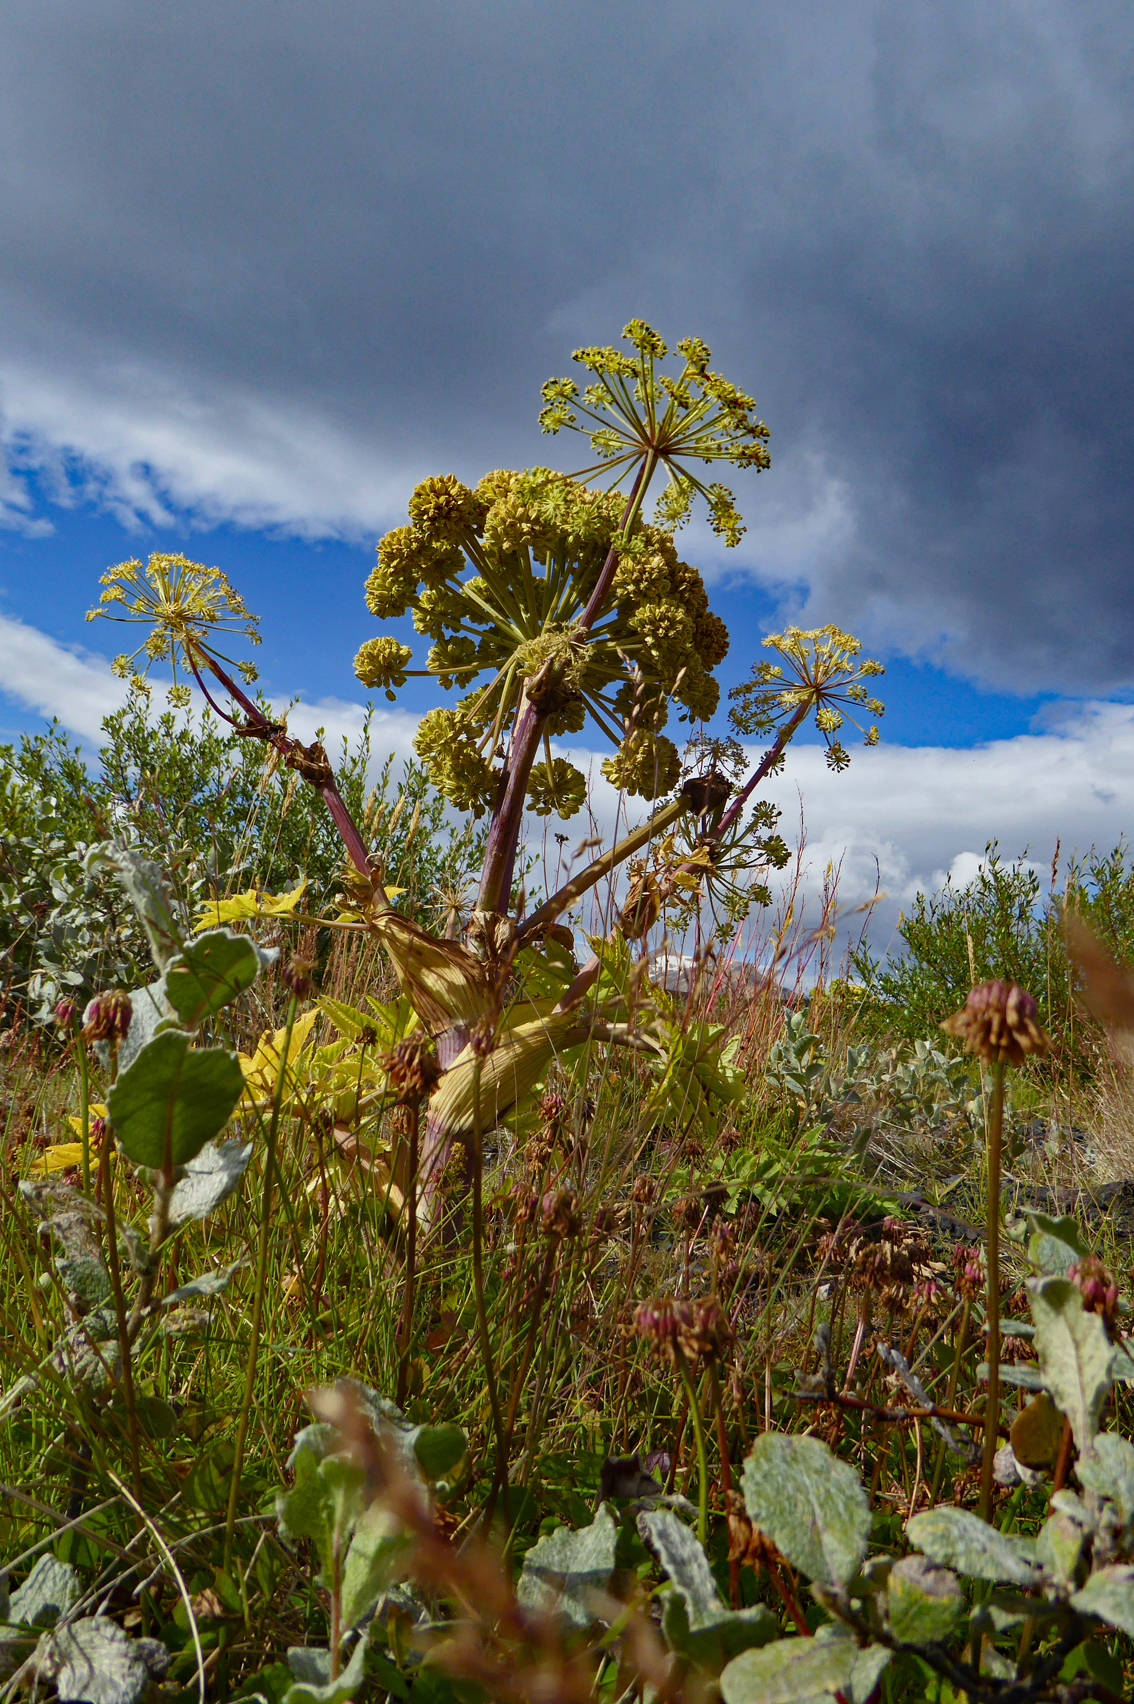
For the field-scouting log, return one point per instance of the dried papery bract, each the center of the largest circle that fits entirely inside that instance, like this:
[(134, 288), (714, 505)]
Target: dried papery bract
[(998, 1023)]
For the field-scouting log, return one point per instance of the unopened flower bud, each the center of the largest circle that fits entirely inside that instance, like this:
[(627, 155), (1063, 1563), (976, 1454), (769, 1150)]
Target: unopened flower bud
[(998, 1023), (1097, 1286), (64, 1013), (561, 1213), (296, 978), (107, 1018)]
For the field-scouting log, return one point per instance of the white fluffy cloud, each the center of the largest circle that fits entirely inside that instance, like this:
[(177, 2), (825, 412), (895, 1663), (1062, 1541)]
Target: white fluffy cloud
[(38, 674), (901, 818)]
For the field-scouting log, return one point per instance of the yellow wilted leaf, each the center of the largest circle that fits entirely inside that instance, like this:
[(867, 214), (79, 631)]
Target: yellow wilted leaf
[(253, 902), (442, 981), (60, 1157), (511, 1071), (261, 1070), (97, 1110)]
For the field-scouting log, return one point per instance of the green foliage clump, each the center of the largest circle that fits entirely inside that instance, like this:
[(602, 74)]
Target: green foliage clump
[(1006, 923)]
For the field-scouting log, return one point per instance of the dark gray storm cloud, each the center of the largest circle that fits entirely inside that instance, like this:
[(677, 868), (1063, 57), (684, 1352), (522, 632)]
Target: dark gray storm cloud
[(905, 226)]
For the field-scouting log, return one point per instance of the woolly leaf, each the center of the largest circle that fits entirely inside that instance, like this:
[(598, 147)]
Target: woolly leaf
[(93, 1661), (810, 1504), (1075, 1355), (695, 1620), (1109, 1594), (210, 1177), (565, 1569), (924, 1603), (957, 1539)]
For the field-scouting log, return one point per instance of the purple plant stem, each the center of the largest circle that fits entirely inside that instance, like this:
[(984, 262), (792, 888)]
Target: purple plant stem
[(261, 728), (770, 758), (504, 830)]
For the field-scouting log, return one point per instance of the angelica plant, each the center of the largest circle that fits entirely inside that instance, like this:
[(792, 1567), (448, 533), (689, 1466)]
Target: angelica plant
[(552, 607)]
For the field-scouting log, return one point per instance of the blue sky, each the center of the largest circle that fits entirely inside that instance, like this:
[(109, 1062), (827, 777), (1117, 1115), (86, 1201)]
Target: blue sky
[(262, 268)]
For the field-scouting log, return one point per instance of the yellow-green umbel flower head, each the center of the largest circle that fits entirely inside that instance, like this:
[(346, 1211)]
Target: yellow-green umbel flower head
[(183, 604), (819, 671), (557, 787), (382, 662), (497, 578)]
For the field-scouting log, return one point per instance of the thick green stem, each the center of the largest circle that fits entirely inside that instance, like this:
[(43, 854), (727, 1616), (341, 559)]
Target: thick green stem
[(411, 1256), (702, 1447), (261, 1286), (992, 1407)]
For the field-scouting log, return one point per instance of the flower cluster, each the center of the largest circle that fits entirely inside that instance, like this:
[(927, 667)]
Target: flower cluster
[(382, 662), (632, 412), (695, 1329), (998, 1023), (819, 672), (498, 578), (108, 1016), (1096, 1284), (183, 603)]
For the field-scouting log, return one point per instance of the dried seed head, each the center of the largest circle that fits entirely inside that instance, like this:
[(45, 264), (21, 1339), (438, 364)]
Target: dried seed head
[(968, 1268), (412, 1068), (998, 1023), (698, 1328), (296, 977), (561, 1213), (1097, 1286), (107, 1018), (643, 1190)]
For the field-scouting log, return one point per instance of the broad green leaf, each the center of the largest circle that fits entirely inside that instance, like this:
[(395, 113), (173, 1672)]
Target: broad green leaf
[(810, 1504), (327, 1496), (792, 1671), (1109, 1472), (253, 902), (173, 1099), (94, 1661), (212, 970), (1109, 1594), (565, 1569), (372, 1562), (438, 1450), (312, 1669), (1074, 1355), (695, 1619), (49, 1592), (210, 1177), (957, 1539), (1055, 1244), (923, 1603), (145, 886)]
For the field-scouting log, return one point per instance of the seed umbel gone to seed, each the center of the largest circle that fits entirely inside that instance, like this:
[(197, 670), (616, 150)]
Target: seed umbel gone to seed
[(107, 1018), (998, 1023)]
